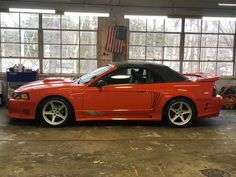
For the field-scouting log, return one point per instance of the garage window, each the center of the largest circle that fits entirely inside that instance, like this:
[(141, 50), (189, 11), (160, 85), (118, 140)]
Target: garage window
[(209, 46), (156, 40), (184, 44), (19, 40), (51, 43), (70, 43)]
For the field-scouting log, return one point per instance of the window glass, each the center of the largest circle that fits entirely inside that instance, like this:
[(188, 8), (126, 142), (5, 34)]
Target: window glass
[(70, 37), (127, 76), (155, 39), (154, 53), (29, 36), (70, 51), (210, 26), (192, 40), (51, 66), (10, 20), (226, 40), (10, 50), (173, 25), (52, 51), (87, 66), (88, 51), (88, 37), (10, 35), (193, 25), (88, 23), (28, 20), (51, 37), (208, 67), (172, 40), (137, 38), (70, 22), (137, 24), (51, 21), (70, 66), (29, 50), (227, 26), (209, 40), (8, 62), (155, 24), (171, 53), (225, 68), (136, 52), (191, 53)]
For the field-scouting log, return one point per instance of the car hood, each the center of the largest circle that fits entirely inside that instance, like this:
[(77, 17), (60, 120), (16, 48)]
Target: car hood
[(47, 83)]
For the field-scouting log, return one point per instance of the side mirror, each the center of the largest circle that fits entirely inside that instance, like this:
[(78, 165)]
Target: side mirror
[(100, 83)]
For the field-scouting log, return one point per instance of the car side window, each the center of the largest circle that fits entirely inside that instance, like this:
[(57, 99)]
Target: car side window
[(127, 76), (155, 78)]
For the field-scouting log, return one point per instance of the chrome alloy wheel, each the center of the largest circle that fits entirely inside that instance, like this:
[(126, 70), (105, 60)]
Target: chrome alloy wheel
[(180, 113), (55, 112)]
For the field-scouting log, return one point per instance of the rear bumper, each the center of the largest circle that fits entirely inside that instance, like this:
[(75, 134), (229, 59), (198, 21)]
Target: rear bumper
[(21, 109), (210, 107)]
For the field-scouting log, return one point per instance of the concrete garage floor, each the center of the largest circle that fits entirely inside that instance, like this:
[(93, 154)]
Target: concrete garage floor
[(119, 149)]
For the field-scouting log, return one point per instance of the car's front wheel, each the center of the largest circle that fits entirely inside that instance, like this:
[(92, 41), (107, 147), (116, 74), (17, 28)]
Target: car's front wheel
[(54, 112), (179, 113)]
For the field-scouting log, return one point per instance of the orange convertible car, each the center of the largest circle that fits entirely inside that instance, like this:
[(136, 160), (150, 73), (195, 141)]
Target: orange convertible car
[(120, 91)]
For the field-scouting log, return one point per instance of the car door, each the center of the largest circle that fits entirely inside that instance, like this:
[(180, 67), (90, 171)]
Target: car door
[(123, 95)]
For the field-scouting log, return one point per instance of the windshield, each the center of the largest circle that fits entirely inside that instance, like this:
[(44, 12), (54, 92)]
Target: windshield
[(88, 77)]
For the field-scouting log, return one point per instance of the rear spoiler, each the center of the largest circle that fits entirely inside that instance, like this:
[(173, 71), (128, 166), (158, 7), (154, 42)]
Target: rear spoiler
[(202, 77)]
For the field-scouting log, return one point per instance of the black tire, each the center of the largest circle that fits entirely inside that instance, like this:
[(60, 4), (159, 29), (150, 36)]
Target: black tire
[(174, 116), (46, 119)]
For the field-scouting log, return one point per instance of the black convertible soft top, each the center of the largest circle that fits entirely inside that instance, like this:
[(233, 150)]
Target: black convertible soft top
[(167, 74)]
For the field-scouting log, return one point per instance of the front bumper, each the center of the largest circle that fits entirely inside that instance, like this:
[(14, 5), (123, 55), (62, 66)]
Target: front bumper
[(21, 109)]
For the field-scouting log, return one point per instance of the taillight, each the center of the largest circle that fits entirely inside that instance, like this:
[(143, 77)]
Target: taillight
[(214, 91)]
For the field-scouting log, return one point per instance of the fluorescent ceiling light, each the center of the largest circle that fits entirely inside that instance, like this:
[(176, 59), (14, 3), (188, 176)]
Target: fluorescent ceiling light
[(225, 4), (144, 17), (220, 18), (87, 14), (47, 11)]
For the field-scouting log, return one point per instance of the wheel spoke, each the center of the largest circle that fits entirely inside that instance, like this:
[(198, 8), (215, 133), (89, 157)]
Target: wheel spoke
[(61, 107), (173, 110), (181, 106), (53, 119), (48, 113), (186, 112), (174, 118), (182, 119), (52, 105), (61, 116)]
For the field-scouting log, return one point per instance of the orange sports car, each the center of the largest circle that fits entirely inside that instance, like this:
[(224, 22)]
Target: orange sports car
[(120, 91)]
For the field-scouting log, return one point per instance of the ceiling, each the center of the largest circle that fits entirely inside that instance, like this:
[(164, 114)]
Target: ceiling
[(135, 3)]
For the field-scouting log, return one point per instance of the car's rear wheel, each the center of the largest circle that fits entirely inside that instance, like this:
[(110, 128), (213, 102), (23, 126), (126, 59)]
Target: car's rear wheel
[(54, 112), (179, 113)]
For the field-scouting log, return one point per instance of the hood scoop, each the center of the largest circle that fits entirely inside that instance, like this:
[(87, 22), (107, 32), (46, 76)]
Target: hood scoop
[(53, 79)]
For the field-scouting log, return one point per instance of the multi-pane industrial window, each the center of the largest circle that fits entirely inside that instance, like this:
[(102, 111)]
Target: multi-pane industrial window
[(156, 40), (208, 45), (69, 43), (19, 40)]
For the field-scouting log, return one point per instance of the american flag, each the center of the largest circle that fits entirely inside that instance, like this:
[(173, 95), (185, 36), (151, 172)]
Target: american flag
[(115, 42)]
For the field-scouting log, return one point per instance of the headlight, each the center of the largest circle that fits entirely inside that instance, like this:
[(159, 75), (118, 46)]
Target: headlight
[(20, 96)]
